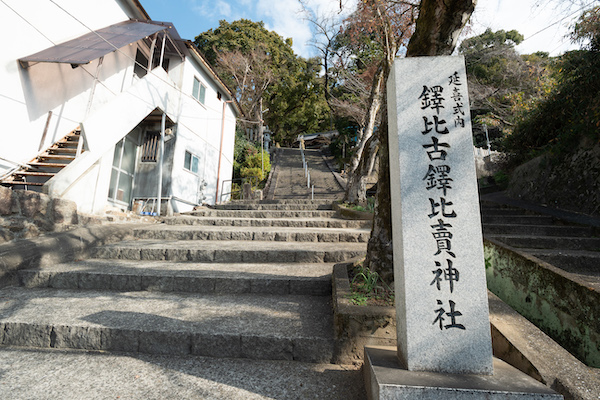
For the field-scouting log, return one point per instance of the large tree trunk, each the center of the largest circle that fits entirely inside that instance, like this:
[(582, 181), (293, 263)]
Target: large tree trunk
[(356, 190), (369, 126), (438, 26)]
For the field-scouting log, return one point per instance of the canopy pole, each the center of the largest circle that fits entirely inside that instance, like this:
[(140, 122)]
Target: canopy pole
[(160, 164)]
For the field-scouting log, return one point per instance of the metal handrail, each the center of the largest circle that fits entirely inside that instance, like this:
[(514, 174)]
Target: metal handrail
[(242, 181), (306, 171)]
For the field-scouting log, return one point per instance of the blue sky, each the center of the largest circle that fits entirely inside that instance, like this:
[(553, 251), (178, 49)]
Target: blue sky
[(192, 17)]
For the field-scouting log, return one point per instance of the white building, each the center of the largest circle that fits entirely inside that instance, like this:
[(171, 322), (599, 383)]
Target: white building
[(129, 85)]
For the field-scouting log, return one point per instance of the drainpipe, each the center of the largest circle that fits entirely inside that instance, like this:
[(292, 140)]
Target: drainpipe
[(221, 150), (160, 164)]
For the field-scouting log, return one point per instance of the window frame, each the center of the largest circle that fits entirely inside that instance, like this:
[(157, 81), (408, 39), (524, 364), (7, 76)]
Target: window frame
[(191, 162), (199, 91)]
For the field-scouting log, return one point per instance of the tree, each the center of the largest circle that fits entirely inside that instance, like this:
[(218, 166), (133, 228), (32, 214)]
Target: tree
[(261, 68), (437, 28), (502, 83), (378, 30), (569, 115)]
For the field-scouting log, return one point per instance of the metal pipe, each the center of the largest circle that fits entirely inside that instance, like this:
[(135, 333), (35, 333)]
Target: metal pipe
[(217, 200), (163, 123), (162, 50)]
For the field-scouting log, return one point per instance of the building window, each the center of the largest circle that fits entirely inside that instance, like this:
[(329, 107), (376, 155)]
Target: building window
[(123, 170), (191, 162), (141, 64), (150, 146), (199, 91)]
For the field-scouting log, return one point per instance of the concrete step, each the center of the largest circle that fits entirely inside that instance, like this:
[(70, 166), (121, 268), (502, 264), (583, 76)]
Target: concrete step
[(276, 207), (576, 261), (517, 219), (203, 278), (267, 222), (538, 230), (239, 326), (315, 202), (263, 213), (41, 374), (280, 234), (231, 251), (549, 242), (504, 211)]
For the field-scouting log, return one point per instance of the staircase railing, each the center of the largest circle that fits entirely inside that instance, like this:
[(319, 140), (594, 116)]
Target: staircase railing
[(307, 172)]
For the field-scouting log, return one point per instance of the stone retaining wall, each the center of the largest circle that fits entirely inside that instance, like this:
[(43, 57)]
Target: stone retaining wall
[(26, 214)]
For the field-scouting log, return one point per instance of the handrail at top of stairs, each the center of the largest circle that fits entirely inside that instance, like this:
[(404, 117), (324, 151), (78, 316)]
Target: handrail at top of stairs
[(307, 171)]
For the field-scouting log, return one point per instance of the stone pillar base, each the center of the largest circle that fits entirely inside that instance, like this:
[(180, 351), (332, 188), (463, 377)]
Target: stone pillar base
[(385, 379)]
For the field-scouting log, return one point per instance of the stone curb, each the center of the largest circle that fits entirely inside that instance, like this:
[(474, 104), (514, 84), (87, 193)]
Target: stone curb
[(56, 248), (340, 181), (186, 283), (304, 349), (348, 213)]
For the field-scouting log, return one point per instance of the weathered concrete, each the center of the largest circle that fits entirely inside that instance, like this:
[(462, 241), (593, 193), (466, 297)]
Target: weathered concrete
[(56, 248), (388, 380), (231, 251), (279, 234), (210, 278), (265, 222), (521, 344), (557, 301), (55, 374), (248, 326)]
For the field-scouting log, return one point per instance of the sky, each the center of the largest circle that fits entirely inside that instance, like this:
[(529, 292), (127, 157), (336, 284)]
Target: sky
[(544, 26)]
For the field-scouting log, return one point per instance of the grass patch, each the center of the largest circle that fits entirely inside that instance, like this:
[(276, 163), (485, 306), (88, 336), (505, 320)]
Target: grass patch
[(367, 288)]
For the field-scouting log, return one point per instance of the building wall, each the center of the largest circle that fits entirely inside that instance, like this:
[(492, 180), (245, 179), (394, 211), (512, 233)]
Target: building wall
[(107, 110), (35, 25)]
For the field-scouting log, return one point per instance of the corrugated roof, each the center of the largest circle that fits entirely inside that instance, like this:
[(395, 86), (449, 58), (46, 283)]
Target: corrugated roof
[(94, 45)]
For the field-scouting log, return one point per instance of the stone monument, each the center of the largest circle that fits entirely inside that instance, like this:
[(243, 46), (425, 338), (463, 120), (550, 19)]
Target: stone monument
[(443, 330)]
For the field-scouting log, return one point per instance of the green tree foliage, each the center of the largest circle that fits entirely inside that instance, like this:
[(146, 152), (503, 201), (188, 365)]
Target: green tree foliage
[(262, 69), (502, 84), (570, 114), (248, 161)]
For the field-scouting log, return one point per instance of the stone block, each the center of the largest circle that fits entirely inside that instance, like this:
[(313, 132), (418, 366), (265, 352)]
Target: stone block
[(33, 203), (270, 286), (191, 284), (28, 335), (64, 280), (34, 279), (228, 285), (157, 283), (309, 287), (95, 281), (385, 379), (120, 340), (202, 255), (313, 350), (267, 348), (126, 283), (217, 345), (64, 211), (143, 254), (8, 202), (228, 256), (440, 285), (176, 254), (171, 343), (77, 337)]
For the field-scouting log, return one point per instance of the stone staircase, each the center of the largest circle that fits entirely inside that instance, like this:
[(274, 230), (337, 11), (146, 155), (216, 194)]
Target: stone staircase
[(572, 247), (244, 281)]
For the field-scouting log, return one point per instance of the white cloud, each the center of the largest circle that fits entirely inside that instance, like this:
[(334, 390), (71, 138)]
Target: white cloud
[(218, 9), (529, 20)]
